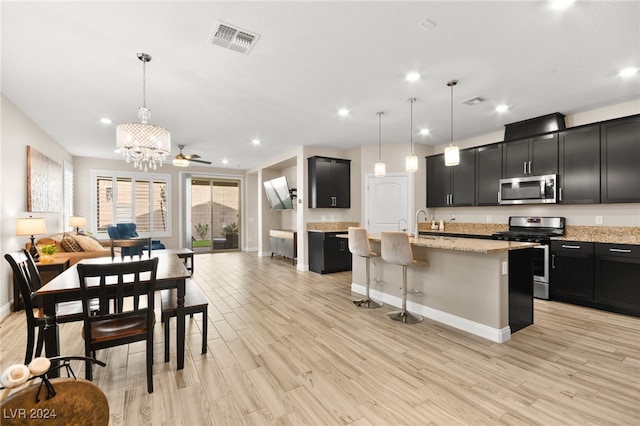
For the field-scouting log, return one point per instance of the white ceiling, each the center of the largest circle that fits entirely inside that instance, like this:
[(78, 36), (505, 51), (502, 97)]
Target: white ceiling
[(67, 64)]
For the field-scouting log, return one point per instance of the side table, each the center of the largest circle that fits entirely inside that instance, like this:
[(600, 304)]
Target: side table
[(47, 272)]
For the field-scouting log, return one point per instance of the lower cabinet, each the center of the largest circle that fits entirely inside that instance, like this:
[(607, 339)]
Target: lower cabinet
[(617, 278), (328, 252), (284, 243), (599, 275), (571, 271)]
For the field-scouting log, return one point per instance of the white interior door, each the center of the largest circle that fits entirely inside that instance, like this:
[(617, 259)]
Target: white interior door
[(388, 202)]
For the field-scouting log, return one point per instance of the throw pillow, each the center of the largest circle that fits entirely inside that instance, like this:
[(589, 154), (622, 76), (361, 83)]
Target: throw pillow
[(89, 243), (70, 245)]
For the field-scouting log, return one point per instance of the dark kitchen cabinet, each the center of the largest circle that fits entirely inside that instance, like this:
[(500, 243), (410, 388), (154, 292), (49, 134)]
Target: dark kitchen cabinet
[(579, 165), (329, 182), (328, 252), (617, 278), (571, 274), (620, 160), (488, 174), (534, 156), (451, 186)]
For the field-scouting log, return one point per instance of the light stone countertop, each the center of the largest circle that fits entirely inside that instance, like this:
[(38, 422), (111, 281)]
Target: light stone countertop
[(464, 244)]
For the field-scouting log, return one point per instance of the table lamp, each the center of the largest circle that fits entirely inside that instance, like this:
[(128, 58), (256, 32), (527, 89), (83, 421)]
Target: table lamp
[(77, 222), (30, 226)]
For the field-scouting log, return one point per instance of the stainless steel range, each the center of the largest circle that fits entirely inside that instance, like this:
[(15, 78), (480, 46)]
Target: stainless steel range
[(538, 230)]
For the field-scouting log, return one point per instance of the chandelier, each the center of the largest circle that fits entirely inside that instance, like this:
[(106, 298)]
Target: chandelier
[(146, 145)]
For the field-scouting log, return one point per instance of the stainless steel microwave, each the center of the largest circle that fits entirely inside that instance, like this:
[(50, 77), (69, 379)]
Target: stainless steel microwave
[(528, 190)]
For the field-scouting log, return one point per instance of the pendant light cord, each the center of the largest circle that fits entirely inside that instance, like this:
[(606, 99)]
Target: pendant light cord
[(451, 84), (380, 136), (411, 100)]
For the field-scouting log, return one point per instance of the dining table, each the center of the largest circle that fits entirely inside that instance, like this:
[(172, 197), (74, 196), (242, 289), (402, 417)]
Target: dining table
[(171, 273)]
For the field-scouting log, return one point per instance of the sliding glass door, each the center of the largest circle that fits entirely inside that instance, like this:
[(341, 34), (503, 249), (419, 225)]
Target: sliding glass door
[(215, 214)]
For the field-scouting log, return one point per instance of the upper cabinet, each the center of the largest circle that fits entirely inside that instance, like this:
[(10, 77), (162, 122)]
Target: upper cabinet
[(534, 156), (579, 165), (329, 182), (620, 160), (488, 174), (451, 186)]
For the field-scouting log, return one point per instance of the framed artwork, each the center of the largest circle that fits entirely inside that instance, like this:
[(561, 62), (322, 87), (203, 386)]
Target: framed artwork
[(44, 183)]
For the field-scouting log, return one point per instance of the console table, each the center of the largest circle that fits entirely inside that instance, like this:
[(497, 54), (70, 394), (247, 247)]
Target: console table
[(284, 242)]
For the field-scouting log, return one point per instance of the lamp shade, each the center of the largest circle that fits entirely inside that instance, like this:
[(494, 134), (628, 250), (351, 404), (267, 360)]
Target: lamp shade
[(78, 221), (30, 226), (380, 169), (451, 156), (181, 162), (411, 163)]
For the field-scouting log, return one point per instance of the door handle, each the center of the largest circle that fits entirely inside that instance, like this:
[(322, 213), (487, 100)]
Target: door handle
[(529, 167), (524, 167), (560, 194), (571, 247), (553, 261)]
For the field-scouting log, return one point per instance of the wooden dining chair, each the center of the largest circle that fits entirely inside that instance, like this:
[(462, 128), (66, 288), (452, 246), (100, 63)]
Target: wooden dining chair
[(134, 322), (130, 247), (26, 274)]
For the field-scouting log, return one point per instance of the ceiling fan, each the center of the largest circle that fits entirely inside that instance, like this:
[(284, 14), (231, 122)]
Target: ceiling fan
[(182, 160)]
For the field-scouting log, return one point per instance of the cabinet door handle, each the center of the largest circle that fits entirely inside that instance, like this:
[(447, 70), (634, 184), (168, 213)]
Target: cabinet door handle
[(529, 167), (553, 261), (524, 167), (570, 247), (560, 194), (615, 250)]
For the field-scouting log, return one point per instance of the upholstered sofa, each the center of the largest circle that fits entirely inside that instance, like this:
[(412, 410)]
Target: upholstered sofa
[(76, 247)]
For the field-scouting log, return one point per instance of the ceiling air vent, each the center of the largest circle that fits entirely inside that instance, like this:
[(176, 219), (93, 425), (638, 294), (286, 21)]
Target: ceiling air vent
[(232, 37), (474, 101)]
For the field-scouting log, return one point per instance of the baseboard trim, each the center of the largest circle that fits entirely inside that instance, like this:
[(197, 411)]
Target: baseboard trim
[(6, 310), (494, 334)]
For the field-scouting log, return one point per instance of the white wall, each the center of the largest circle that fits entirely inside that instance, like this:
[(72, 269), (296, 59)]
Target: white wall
[(18, 131)]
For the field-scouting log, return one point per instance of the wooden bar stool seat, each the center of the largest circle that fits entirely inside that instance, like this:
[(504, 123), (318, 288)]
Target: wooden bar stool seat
[(194, 302)]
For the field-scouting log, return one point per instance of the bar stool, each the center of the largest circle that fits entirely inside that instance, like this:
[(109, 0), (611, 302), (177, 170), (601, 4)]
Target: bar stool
[(359, 246), (396, 248), (194, 302)]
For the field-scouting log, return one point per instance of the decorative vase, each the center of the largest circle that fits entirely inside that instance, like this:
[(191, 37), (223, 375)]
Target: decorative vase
[(46, 258)]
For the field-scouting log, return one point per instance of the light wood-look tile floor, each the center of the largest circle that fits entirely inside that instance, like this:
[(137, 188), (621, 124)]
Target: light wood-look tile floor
[(289, 348)]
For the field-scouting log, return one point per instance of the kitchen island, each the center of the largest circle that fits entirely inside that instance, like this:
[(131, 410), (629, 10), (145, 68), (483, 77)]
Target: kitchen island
[(483, 287)]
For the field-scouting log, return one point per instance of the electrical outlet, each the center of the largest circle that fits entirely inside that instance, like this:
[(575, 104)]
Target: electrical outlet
[(599, 220), (488, 218)]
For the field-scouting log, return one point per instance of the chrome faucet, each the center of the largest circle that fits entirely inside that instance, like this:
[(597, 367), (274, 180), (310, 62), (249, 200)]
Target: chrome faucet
[(426, 216), (406, 225)]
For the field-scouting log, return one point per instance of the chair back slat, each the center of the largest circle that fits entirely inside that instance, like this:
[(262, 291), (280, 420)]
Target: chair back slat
[(130, 278), (26, 274)]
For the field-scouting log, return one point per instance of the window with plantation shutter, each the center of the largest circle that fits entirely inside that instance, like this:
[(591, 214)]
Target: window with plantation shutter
[(122, 197)]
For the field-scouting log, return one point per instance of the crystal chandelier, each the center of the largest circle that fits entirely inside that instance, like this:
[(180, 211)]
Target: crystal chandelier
[(144, 144), (379, 168)]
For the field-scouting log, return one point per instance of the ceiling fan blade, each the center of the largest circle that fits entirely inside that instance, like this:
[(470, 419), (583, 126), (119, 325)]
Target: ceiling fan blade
[(200, 161), (191, 156)]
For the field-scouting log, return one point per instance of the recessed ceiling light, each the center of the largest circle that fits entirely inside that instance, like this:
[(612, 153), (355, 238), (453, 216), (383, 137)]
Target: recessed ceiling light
[(413, 76), (502, 108), (560, 4), (628, 72), (343, 112), (105, 120), (424, 132), (255, 141)]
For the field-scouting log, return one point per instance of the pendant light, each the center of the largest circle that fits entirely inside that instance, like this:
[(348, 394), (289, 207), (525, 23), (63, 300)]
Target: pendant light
[(452, 152), (380, 168), (411, 161), (144, 144)]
